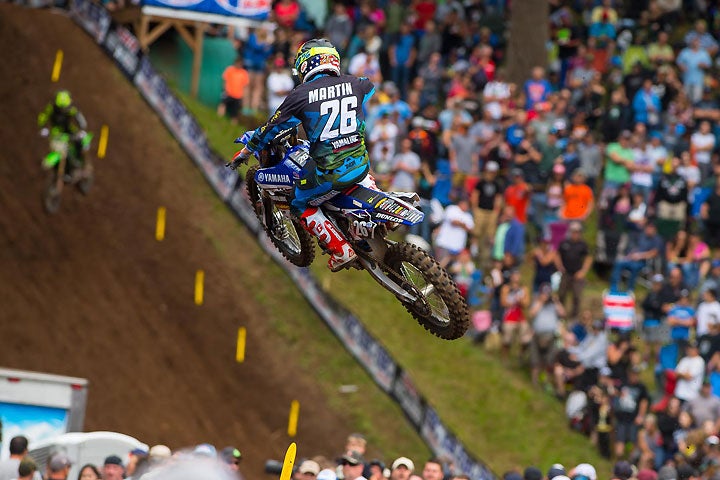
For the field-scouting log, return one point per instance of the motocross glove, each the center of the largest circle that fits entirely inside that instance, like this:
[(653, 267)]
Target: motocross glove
[(238, 159)]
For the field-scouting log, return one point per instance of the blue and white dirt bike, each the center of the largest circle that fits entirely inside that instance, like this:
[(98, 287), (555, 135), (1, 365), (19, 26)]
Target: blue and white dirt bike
[(365, 217)]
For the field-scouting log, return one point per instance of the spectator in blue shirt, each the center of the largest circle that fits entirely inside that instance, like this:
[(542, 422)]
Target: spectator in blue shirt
[(645, 246), (603, 30), (537, 88), (402, 57), (693, 61), (707, 42), (646, 106), (256, 52), (509, 237), (681, 318)]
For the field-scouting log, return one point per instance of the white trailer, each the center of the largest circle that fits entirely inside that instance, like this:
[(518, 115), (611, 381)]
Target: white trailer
[(39, 406)]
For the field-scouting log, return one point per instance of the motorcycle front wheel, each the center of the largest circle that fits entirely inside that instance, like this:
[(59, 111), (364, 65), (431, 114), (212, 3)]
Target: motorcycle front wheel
[(51, 195), (288, 236), (441, 310)]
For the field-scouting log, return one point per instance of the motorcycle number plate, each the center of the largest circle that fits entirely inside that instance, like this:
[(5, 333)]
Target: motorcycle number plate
[(362, 229)]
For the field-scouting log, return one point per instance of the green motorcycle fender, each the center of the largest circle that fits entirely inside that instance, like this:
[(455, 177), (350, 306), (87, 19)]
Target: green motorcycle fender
[(51, 160)]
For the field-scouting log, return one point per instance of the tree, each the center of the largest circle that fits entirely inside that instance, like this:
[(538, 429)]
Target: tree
[(528, 38)]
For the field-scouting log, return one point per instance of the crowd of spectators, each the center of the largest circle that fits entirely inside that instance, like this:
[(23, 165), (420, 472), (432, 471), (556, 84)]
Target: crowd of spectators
[(156, 463), (603, 164)]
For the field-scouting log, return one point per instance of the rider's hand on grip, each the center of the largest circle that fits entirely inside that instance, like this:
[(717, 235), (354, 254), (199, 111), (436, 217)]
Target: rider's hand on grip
[(238, 159)]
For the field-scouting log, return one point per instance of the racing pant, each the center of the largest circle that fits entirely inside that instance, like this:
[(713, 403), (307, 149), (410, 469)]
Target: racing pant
[(315, 183)]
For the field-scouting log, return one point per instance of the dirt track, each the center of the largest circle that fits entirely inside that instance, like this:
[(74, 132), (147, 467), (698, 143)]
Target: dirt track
[(90, 293)]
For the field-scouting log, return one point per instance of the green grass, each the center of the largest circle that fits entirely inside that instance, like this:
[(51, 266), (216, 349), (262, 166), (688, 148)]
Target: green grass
[(492, 407)]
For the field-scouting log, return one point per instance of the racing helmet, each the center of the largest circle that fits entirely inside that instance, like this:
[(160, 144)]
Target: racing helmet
[(63, 99), (315, 56)]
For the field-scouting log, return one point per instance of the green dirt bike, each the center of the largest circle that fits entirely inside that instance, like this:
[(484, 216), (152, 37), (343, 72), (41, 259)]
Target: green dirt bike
[(66, 164)]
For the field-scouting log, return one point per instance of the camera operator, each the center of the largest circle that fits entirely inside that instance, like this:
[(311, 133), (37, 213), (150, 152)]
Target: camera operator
[(546, 312)]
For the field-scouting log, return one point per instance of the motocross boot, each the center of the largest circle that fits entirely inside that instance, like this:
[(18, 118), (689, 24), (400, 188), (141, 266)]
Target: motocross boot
[(341, 253)]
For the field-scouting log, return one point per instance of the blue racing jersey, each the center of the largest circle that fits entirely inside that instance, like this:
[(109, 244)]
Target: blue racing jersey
[(331, 110)]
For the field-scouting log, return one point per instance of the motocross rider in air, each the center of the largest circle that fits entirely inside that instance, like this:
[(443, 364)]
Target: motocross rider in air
[(65, 120), (330, 107)]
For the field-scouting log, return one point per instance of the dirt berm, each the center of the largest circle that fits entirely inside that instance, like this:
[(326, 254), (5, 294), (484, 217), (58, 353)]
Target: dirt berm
[(89, 292)]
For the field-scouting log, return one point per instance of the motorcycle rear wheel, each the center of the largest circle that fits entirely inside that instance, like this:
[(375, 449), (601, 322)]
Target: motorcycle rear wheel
[(288, 236), (86, 182), (442, 310)]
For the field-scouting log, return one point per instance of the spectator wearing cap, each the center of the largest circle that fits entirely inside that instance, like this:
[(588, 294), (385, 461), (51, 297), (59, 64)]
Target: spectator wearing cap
[(231, 457), (309, 470), (689, 372), (401, 469), (433, 470), (630, 407), (18, 449), (58, 468), (681, 319), (573, 261), (352, 464), (654, 334), (136, 463), (532, 473), (486, 201), (327, 474), (619, 159), (705, 407), (671, 198), (584, 470), (376, 468), (113, 468), (622, 470), (555, 471), (641, 248)]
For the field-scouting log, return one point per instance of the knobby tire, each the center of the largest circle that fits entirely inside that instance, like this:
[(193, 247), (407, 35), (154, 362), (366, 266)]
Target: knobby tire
[(307, 247), (445, 288)]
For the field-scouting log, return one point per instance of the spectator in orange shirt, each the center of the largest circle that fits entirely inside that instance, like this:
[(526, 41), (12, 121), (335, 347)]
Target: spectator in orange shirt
[(518, 195), (578, 200), (236, 78)]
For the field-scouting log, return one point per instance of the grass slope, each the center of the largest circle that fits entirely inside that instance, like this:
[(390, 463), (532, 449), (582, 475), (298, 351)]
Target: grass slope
[(491, 407)]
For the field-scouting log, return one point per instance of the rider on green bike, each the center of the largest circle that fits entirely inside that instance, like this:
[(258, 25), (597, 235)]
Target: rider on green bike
[(68, 138)]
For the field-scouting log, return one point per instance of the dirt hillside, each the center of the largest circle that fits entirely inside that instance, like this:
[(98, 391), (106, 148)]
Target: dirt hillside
[(90, 293)]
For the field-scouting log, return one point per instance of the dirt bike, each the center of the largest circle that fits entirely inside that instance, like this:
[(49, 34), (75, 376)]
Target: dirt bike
[(65, 165), (365, 216)]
